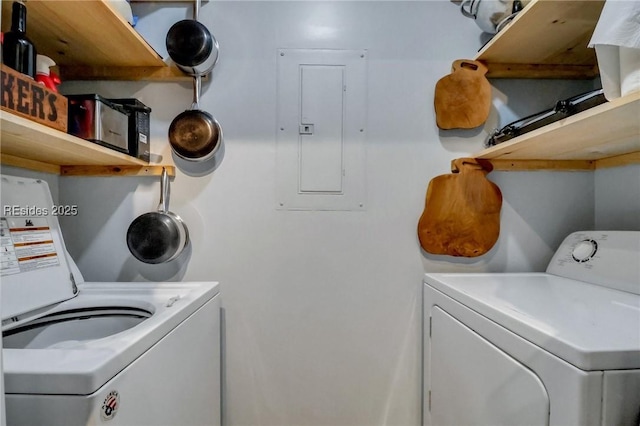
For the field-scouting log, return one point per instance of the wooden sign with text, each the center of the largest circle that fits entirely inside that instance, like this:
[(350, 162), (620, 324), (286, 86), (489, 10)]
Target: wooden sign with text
[(27, 98)]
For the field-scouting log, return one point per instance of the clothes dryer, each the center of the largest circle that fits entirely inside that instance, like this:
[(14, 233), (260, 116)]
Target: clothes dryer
[(554, 348)]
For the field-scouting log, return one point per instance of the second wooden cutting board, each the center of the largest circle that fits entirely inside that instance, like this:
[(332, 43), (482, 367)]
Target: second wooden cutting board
[(462, 212)]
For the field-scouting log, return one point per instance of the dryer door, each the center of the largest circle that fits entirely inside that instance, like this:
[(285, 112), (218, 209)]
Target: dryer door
[(473, 382)]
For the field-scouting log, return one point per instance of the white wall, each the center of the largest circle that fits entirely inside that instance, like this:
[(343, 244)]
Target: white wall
[(52, 180), (322, 309), (617, 193)]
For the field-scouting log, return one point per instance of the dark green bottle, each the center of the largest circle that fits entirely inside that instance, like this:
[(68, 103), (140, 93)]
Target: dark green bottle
[(17, 50)]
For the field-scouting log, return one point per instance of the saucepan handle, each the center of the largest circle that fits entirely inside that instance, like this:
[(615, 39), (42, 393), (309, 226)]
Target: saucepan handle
[(163, 205)]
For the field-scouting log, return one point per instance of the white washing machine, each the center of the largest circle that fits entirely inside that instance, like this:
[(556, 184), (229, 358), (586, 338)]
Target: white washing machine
[(554, 348), (78, 353)]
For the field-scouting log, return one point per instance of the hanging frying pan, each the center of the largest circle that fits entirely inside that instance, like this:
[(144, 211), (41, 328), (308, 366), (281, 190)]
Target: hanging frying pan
[(194, 134), (158, 237), (191, 46)]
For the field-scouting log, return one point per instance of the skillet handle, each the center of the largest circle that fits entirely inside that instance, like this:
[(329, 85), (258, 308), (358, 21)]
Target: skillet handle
[(197, 85), (163, 206), (196, 9)]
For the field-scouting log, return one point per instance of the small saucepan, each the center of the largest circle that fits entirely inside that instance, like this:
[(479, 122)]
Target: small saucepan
[(194, 134), (191, 46), (158, 237)]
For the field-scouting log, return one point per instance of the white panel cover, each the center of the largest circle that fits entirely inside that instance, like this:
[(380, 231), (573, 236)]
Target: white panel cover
[(320, 152), (321, 121), (474, 382), (34, 267)]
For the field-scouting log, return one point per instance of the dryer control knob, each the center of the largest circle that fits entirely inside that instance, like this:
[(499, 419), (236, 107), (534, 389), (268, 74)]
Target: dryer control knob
[(584, 250)]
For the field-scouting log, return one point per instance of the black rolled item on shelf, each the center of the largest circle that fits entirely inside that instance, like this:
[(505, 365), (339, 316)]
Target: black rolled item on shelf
[(562, 109)]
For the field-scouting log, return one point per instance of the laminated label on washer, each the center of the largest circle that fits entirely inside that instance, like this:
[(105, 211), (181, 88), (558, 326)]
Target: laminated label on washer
[(35, 273), (27, 244)]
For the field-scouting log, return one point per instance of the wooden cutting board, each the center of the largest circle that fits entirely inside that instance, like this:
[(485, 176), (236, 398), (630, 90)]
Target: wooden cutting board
[(462, 211), (463, 98)]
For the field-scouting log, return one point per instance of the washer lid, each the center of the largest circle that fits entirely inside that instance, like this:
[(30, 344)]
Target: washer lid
[(589, 326), (34, 269)]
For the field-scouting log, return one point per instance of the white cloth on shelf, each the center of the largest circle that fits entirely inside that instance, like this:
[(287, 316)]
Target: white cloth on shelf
[(617, 42)]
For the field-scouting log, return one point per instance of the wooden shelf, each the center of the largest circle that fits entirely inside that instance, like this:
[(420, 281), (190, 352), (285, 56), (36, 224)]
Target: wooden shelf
[(548, 39), (168, 73), (607, 135), (90, 40), (33, 146)]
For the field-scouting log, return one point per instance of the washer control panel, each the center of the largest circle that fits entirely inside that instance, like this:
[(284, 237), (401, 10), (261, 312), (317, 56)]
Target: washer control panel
[(607, 258)]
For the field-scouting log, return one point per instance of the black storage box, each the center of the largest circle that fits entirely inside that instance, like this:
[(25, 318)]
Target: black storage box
[(98, 120), (139, 124)]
